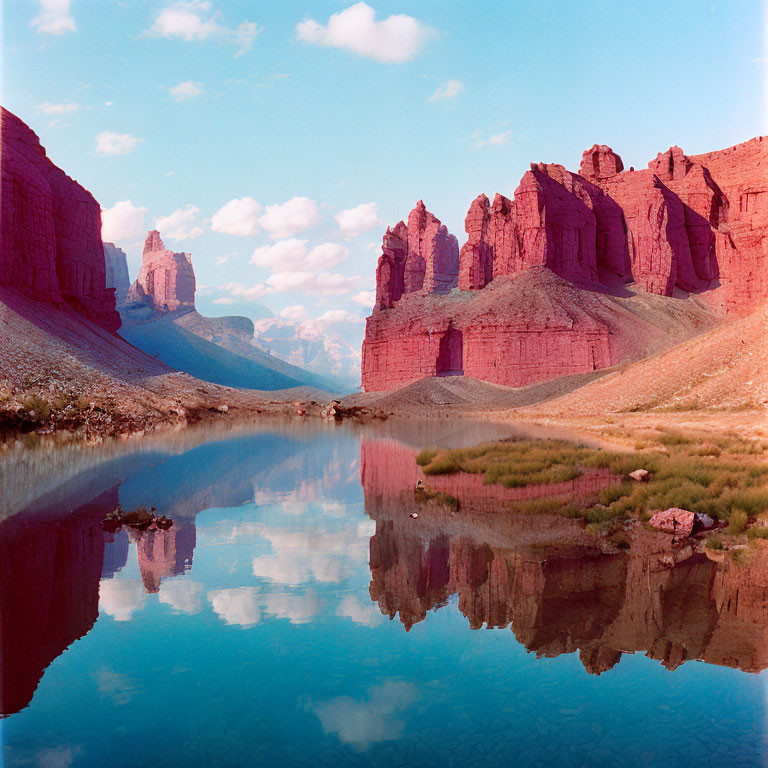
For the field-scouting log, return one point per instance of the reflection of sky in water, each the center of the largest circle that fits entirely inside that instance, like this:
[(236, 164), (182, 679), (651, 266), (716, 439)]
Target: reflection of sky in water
[(269, 651)]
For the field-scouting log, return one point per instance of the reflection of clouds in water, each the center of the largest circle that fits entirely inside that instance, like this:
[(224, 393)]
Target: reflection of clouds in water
[(182, 595), (326, 556), (237, 606), (120, 598), (245, 606), (119, 688), (361, 723), (57, 757), (367, 614)]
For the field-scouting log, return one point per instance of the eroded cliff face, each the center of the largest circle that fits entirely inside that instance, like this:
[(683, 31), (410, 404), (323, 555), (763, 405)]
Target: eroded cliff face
[(684, 225), (557, 589), (50, 232), (166, 280)]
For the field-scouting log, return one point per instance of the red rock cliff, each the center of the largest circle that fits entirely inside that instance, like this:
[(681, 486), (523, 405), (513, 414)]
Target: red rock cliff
[(685, 225), (50, 230)]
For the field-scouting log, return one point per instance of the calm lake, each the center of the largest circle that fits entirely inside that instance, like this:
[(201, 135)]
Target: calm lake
[(296, 613)]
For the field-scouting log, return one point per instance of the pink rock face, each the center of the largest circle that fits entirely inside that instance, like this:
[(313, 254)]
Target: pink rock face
[(476, 257), (600, 162), (674, 520), (166, 279), (390, 271), (50, 232), (432, 262), (683, 225)]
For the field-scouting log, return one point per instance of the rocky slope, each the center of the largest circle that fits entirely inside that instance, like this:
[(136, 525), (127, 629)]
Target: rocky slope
[(683, 227), (50, 232)]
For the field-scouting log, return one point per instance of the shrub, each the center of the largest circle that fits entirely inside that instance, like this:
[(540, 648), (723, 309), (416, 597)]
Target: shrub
[(758, 532), (714, 542), (737, 522), (426, 456)]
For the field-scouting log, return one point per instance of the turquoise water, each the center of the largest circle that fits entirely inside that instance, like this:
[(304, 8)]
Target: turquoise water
[(248, 634)]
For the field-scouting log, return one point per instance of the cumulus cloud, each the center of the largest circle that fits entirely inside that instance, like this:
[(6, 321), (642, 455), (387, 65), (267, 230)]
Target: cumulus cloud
[(47, 108), (249, 293), (292, 256), (196, 20), (224, 300), (123, 221), (114, 143), (181, 224), (54, 18), (392, 40), (121, 598), (238, 217), (495, 139), (365, 298), (447, 90), (189, 89), (361, 723), (286, 219), (354, 221), (338, 316), (182, 595), (314, 283), (296, 312)]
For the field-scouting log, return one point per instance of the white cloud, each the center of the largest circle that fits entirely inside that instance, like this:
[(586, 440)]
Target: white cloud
[(182, 595), (189, 89), (195, 20), (181, 224), (54, 18), (241, 606), (504, 137), (367, 614), (447, 90), (238, 217), (224, 300), (292, 256), (361, 723), (365, 298), (338, 316), (123, 221), (47, 108), (114, 143), (286, 219), (121, 598), (249, 293), (354, 221), (314, 283), (245, 606), (394, 39), (220, 260), (295, 312)]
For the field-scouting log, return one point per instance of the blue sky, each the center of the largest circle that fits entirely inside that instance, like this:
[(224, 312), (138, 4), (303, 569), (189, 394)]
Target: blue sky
[(175, 109)]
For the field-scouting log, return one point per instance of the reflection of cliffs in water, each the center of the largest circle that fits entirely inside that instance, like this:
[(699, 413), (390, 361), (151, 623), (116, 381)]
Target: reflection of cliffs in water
[(53, 555), (551, 583)]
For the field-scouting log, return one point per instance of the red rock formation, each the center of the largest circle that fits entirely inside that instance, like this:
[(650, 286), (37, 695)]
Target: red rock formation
[(166, 280), (683, 225), (50, 230), (432, 261), (390, 271)]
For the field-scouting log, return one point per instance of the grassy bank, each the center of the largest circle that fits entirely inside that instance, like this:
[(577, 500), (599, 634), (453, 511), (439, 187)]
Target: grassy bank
[(725, 477)]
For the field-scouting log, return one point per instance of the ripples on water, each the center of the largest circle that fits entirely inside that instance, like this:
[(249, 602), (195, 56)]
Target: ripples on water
[(256, 630)]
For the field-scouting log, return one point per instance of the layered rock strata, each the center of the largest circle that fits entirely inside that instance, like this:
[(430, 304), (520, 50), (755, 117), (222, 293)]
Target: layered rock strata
[(117, 272), (50, 230), (684, 225)]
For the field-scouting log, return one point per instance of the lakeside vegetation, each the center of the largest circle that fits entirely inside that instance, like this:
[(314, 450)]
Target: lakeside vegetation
[(724, 477)]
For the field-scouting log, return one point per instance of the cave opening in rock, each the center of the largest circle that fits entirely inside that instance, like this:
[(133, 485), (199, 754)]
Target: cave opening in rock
[(450, 357)]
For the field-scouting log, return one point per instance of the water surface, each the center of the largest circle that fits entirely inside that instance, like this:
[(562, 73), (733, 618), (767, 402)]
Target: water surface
[(296, 614)]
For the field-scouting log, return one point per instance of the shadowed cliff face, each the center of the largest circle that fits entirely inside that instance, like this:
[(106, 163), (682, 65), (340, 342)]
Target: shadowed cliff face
[(558, 590)]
